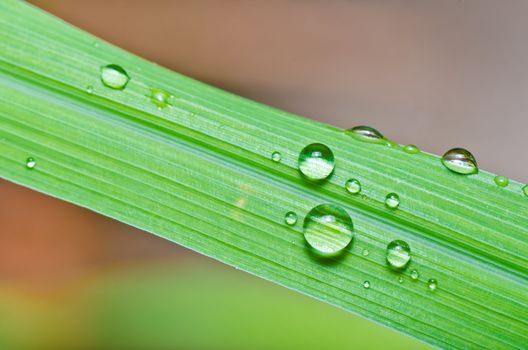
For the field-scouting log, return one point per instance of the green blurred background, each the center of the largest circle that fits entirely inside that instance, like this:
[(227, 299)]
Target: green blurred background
[(437, 74)]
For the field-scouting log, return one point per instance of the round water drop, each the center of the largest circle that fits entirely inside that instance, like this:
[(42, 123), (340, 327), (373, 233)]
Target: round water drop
[(353, 186), (501, 181), (366, 134), (525, 190), (114, 76), (316, 161), (392, 200), (290, 218), (159, 97), (432, 284), (328, 229), (276, 157), (366, 284), (90, 89), (31, 163), (460, 161), (365, 252), (400, 279), (398, 254), (414, 275), (411, 149)]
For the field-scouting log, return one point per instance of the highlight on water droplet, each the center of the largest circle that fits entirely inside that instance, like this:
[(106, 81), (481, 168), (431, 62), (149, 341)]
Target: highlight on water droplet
[(160, 97), (90, 89), (316, 161), (114, 76), (31, 163), (290, 218), (353, 186), (366, 284), (501, 181), (414, 275), (392, 200), (525, 190), (276, 156), (398, 254), (365, 252), (432, 284), (328, 229), (411, 149), (400, 279), (366, 134), (460, 160)]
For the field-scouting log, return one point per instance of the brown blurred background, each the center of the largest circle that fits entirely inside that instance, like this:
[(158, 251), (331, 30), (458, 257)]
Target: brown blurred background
[(437, 74)]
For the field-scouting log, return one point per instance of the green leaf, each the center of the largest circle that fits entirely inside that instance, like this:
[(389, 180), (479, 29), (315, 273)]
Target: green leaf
[(192, 163)]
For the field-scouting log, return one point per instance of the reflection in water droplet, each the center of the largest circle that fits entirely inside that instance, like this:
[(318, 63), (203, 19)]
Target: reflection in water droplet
[(160, 97), (114, 76), (366, 134), (353, 186), (366, 284), (432, 284), (328, 229), (276, 156), (414, 275), (365, 252), (501, 181), (398, 254), (460, 161), (290, 218), (31, 163), (392, 200), (411, 149), (316, 161)]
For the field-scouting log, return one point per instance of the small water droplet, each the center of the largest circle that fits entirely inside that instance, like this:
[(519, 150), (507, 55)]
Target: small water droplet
[(392, 200), (398, 254), (365, 252), (501, 181), (366, 134), (366, 284), (353, 186), (432, 284), (276, 156), (290, 218), (411, 149), (460, 161), (328, 229), (96, 44), (90, 89), (316, 161), (31, 163), (114, 76), (160, 97), (414, 275), (400, 279), (525, 190)]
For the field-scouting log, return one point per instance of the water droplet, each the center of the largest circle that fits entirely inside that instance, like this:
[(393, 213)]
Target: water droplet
[(525, 190), (328, 229), (31, 163), (432, 284), (400, 279), (276, 156), (365, 252), (160, 97), (353, 186), (96, 44), (366, 284), (90, 89), (414, 275), (501, 181), (290, 218), (316, 161), (460, 161), (366, 134), (411, 149), (392, 200), (114, 76), (398, 254)]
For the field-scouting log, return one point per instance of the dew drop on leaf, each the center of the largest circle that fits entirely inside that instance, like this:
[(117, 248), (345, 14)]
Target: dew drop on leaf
[(365, 252), (414, 275), (392, 200), (432, 284), (460, 161), (398, 254), (316, 162), (114, 77), (159, 97), (353, 186), (31, 163), (366, 134), (525, 190), (276, 157), (411, 149), (366, 284), (290, 218), (501, 181)]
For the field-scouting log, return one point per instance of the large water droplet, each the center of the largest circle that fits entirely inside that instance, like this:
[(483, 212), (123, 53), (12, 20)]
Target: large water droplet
[(353, 186), (160, 97), (328, 229), (392, 200), (432, 284), (460, 161), (290, 218), (414, 275), (31, 163), (276, 156), (411, 149), (398, 254), (316, 161), (501, 181), (114, 76), (366, 134), (366, 284)]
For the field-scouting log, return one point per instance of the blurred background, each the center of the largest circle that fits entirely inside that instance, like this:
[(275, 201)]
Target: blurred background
[(437, 74)]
